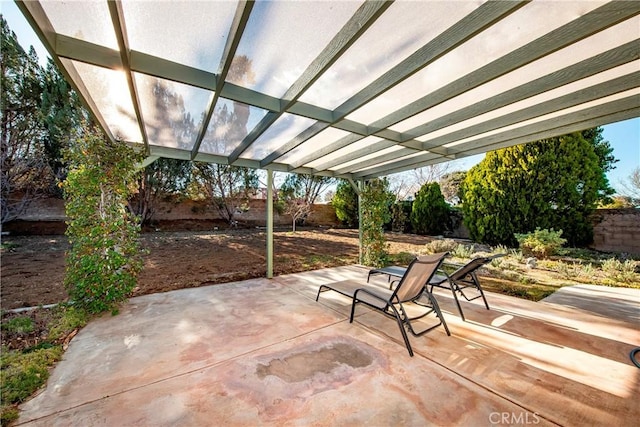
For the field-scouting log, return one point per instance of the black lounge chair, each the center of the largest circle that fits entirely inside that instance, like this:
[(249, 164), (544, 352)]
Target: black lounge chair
[(392, 303), (462, 278)]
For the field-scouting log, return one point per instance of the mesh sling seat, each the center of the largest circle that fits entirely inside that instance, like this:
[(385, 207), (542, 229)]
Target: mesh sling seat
[(462, 278), (394, 303)]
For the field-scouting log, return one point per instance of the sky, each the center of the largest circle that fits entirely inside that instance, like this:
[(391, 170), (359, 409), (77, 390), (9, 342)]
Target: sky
[(624, 136)]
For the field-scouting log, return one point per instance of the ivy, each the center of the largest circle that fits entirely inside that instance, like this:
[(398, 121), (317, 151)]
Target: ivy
[(104, 260), (376, 199)]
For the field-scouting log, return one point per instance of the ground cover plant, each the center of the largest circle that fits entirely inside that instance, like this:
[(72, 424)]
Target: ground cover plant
[(32, 342)]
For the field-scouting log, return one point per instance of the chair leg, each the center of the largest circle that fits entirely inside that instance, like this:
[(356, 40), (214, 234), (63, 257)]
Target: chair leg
[(353, 310), (320, 290), (404, 333), (436, 308), (477, 283), (455, 297)]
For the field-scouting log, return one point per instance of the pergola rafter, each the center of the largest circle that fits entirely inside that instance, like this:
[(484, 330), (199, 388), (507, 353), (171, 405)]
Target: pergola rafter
[(336, 138)]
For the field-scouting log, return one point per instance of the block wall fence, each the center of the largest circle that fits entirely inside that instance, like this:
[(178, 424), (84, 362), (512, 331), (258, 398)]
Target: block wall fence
[(614, 230)]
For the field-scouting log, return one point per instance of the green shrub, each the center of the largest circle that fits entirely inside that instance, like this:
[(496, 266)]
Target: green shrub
[(541, 243), (440, 245), (555, 182), (105, 258), (430, 213), (526, 280), (376, 200), (399, 218), (345, 201)]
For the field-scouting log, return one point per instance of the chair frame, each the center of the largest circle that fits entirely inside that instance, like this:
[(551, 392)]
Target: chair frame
[(390, 303), (462, 278)]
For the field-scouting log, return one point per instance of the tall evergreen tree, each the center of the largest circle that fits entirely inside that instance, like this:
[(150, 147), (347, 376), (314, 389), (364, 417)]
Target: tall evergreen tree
[(429, 213), (22, 165), (552, 183), (61, 113), (345, 202)]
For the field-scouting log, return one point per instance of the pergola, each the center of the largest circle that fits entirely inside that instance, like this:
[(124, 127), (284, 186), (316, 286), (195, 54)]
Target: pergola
[(350, 89)]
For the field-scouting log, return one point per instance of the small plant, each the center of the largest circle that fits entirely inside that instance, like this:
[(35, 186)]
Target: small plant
[(463, 251), (620, 271), (8, 246), (526, 280), (501, 249), (440, 245), (541, 243), (19, 325), (24, 372), (496, 263), (567, 271), (402, 258), (21, 374), (67, 319), (587, 270), (517, 255)]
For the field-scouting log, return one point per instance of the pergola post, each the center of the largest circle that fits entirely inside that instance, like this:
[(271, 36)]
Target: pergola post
[(269, 224), (358, 187)]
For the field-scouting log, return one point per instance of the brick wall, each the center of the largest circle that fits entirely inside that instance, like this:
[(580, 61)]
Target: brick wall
[(617, 230)]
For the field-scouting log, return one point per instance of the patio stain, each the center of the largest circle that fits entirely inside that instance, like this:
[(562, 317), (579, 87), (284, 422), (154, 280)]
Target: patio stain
[(303, 366)]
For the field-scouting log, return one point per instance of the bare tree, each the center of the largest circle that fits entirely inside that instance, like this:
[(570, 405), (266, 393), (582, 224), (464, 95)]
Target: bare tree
[(298, 208), (225, 186), (406, 184), (307, 187), (161, 178), (631, 187)]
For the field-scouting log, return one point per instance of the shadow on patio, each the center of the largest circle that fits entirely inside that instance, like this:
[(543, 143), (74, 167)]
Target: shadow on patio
[(263, 352)]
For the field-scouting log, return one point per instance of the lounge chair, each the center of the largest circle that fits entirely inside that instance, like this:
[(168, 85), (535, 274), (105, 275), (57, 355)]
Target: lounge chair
[(392, 303), (462, 278)]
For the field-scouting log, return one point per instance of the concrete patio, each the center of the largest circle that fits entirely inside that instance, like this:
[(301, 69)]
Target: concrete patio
[(263, 352)]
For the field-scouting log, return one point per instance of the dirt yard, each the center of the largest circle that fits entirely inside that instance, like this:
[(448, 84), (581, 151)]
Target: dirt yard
[(33, 266)]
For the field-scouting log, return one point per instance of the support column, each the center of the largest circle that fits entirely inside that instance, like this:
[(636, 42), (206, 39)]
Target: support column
[(269, 224), (360, 251)]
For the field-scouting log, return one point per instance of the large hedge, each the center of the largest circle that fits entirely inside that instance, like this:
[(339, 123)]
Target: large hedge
[(430, 213), (554, 183)]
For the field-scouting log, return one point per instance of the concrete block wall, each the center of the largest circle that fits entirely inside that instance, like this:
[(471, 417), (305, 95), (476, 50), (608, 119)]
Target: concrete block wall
[(48, 216), (617, 230)]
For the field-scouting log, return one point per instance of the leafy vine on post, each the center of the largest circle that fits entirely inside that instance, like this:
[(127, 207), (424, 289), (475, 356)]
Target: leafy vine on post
[(104, 260), (376, 199)]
